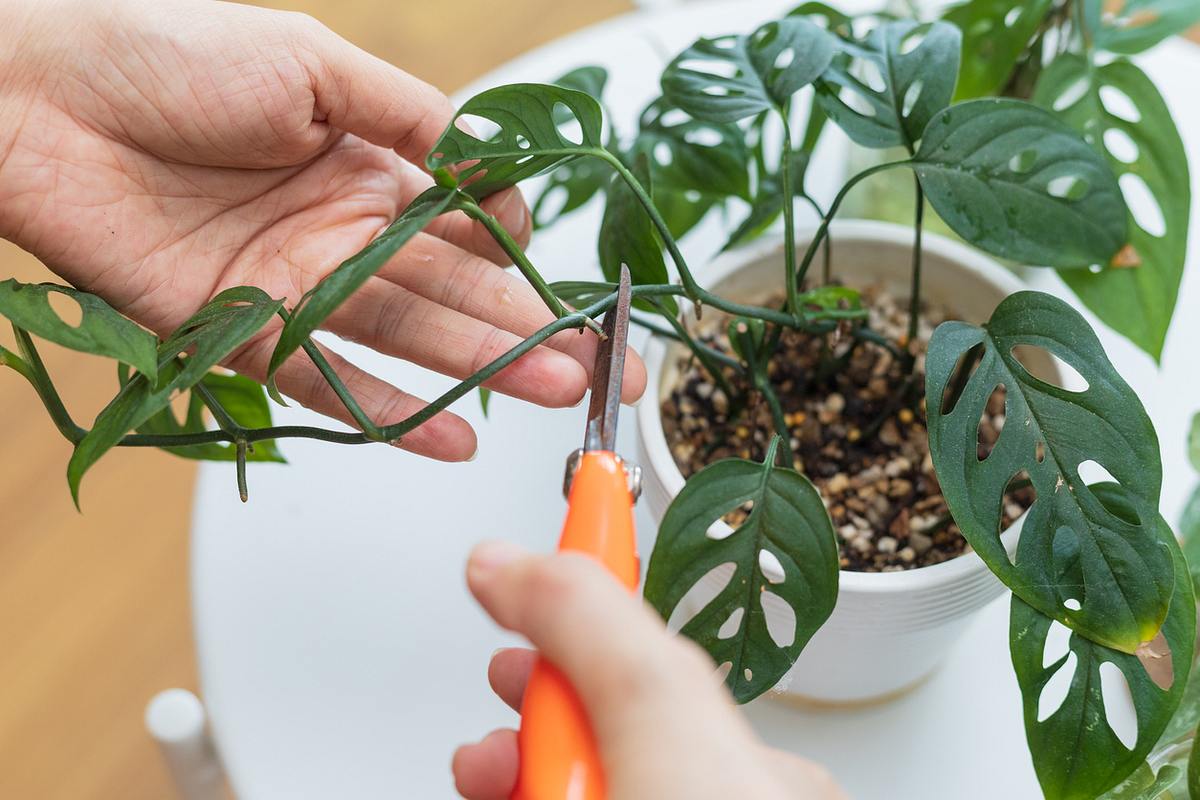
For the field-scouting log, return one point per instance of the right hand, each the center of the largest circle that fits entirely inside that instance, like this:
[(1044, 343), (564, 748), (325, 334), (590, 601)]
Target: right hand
[(665, 727)]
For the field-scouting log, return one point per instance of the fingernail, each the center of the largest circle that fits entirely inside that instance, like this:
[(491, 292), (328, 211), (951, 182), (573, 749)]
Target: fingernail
[(490, 557)]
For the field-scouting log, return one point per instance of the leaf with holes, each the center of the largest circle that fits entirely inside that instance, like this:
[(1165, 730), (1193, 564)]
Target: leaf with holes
[(1148, 156), (834, 21), (733, 77), (627, 236), (324, 298), (788, 529), (1138, 25), (208, 337), (1048, 432), (1076, 752), (589, 79), (245, 400), (569, 188), (883, 90), (101, 330), (530, 139), (767, 204), (690, 155), (995, 35), (1014, 180)]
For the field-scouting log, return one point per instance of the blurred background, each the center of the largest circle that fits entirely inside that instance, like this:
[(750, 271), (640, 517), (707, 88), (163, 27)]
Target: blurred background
[(94, 616)]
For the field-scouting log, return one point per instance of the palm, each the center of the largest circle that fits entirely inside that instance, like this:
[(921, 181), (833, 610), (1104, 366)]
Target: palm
[(176, 165)]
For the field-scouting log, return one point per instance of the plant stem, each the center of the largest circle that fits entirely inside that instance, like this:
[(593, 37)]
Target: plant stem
[(823, 229), (789, 218), (224, 419), (35, 372), (368, 426), (781, 428), (514, 251), (914, 303), (243, 489), (827, 264), (250, 435), (691, 287)]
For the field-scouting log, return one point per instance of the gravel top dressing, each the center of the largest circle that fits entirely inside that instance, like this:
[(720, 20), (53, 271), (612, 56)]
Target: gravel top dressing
[(866, 450)]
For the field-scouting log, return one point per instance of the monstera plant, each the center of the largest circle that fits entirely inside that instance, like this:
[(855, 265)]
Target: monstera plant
[(736, 127)]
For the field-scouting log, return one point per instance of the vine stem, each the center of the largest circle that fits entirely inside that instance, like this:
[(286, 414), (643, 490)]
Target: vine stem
[(35, 372), (823, 229), (789, 219), (914, 303)]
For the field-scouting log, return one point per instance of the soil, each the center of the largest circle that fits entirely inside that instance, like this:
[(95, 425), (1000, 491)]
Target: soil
[(857, 433)]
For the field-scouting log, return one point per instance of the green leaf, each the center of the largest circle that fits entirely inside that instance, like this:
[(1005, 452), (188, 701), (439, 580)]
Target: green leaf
[(485, 397), (576, 183), (589, 79), (1014, 180), (835, 21), (1144, 784), (910, 72), (691, 155), (733, 77), (627, 236), (1137, 302), (1139, 24), (1075, 752), (245, 400), (580, 294), (101, 330), (324, 298), (530, 141), (1193, 442), (1193, 769), (995, 35), (767, 204), (209, 336), (1126, 573), (788, 522)]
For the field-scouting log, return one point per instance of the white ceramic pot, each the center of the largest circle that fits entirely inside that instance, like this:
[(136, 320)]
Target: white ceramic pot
[(889, 630)]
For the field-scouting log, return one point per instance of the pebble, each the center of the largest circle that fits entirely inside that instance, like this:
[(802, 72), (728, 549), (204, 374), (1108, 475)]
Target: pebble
[(897, 467), (704, 390), (838, 483), (835, 403), (900, 488), (920, 543), (886, 545), (908, 555)]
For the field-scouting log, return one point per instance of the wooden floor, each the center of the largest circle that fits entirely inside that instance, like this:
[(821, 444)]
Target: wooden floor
[(94, 614)]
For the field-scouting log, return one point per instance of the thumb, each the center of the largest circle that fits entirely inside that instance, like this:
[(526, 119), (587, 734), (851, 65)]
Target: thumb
[(613, 649)]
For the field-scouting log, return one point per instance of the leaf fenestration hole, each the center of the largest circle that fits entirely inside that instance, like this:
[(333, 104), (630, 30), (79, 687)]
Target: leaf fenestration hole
[(522, 142), (570, 130), (477, 127), (1143, 204), (731, 626), (1114, 688), (551, 204), (1039, 451), (1058, 643), (1019, 495), (780, 619), (1013, 16), (1067, 187), (1118, 104), (771, 569), (1039, 363), (673, 117), (1091, 471), (785, 58), (1023, 161), (1155, 657), (869, 73), (713, 68), (1055, 691), (968, 362), (704, 137), (991, 422), (855, 102), (748, 674), (913, 39), (1119, 144), (911, 96), (1072, 94), (663, 155), (67, 308), (1071, 604), (702, 592)]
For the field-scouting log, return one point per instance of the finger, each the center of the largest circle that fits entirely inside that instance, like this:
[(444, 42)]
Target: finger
[(508, 672), (451, 277), (401, 323), (487, 770), (358, 93), (445, 436), (805, 778), (612, 648)]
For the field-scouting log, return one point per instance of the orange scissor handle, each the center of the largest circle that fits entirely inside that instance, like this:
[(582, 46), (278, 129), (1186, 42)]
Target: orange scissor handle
[(559, 760)]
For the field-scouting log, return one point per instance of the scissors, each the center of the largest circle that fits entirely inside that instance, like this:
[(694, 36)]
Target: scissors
[(558, 756)]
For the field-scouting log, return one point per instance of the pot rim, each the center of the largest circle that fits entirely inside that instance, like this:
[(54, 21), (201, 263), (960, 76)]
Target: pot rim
[(965, 567)]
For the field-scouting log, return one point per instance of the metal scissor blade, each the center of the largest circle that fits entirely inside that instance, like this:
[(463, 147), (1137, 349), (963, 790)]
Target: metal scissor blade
[(601, 432)]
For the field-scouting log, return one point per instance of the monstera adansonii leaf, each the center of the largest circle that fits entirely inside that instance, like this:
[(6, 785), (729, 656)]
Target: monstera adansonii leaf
[(184, 359), (1013, 179), (734, 77), (995, 34), (537, 128), (784, 556), (1125, 574), (1076, 749), (1132, 26), (100, 331), (882, 91), (1140, 142)]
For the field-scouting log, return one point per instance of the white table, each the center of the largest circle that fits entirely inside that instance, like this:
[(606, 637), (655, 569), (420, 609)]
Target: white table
[(340, 654)]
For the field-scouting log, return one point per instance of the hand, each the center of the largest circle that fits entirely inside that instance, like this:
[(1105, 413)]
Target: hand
[(158, 152), (664, 726)]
